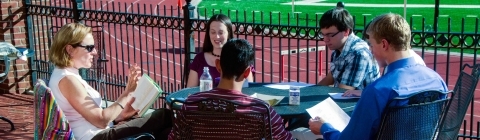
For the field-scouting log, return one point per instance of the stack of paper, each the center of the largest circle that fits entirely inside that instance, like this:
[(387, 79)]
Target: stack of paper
[(339, 96)]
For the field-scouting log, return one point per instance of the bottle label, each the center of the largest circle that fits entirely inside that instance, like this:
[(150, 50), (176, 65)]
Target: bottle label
[(205, 85), (294, 98)]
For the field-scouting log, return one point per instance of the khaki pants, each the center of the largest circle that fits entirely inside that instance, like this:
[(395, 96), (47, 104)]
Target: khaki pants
[(303, 133)]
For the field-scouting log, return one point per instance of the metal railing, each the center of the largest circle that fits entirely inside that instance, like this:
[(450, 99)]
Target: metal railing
[(163, 42)]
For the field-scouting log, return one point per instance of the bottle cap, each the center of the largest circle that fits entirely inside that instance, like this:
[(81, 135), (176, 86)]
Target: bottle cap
[(294, 87)]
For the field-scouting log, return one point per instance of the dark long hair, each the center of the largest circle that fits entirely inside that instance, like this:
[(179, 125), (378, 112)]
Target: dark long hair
[(207, 45)]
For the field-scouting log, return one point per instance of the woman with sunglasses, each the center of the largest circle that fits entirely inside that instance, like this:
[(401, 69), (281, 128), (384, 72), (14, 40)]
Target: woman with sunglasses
[(73, 48)]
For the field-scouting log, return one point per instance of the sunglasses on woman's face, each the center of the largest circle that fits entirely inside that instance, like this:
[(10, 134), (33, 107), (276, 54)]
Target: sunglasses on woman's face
[(88, 47)]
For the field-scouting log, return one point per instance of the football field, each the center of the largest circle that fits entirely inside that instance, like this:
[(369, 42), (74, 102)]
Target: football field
[(307, 12)]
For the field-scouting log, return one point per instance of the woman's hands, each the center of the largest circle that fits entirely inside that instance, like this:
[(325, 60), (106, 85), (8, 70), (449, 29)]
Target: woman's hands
[(126, 98), (133, 76), (128, 111)]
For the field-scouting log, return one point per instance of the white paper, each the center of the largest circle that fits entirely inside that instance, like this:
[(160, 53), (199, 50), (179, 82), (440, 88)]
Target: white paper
[(286, 85), (329, 111), (339, 96)]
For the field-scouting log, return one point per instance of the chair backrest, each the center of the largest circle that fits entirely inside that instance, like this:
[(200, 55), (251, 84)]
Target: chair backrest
[(458, 104), (218, 118), (50, 122), (417, 120)]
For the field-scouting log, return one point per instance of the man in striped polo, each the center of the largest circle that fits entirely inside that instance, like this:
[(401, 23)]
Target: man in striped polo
[(234, 66)]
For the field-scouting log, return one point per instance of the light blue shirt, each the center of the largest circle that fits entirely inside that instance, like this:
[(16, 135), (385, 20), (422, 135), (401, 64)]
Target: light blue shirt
[(404, 77)]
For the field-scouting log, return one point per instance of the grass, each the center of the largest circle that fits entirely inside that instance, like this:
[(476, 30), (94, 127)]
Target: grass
[(273, 12)]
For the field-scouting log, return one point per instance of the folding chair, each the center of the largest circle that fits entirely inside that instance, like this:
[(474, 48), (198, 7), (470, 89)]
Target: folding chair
[(50, 122), (458, 104), (217, 118), (417, 120)]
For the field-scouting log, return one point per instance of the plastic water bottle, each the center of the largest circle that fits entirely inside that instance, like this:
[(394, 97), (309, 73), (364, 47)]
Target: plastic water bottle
[(294, 95), (206, 82)]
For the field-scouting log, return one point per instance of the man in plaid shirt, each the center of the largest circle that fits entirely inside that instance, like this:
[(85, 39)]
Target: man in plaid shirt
[(352, 63)]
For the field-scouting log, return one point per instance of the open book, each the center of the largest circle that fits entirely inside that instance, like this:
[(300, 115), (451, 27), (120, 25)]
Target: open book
[(329, 111), (270, 99), (146, 93)]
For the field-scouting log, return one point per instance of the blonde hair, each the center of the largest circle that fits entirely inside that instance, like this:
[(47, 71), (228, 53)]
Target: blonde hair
[(69, 34), (393, 28)]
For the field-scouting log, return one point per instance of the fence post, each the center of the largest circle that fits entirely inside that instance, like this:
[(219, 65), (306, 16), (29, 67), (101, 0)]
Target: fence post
[(435, 15), (188, 10), (31, 40), (77, 5)]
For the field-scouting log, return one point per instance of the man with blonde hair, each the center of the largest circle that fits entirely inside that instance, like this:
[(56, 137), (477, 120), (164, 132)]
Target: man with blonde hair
[(389, 36), (382, 64)]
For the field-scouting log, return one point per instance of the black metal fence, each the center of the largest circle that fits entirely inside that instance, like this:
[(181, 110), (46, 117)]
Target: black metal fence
[(162, 42)]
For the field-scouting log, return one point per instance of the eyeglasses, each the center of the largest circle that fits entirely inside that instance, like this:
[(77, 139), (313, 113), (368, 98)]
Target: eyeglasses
[(89, 48), (331, 35), (366, 36)]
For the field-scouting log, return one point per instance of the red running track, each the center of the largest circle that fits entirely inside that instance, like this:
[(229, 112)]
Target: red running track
[(164, 66)]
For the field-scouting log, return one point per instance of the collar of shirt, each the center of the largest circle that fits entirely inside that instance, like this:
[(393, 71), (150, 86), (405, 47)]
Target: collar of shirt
[(351, 42), (402, 63), (72, 70), (227, 91)]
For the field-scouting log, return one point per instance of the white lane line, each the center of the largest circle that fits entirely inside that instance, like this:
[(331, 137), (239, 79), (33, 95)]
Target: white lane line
[(126, 63), (385, 5)]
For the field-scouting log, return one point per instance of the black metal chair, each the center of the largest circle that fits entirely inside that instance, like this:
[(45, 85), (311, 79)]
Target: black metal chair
[(417, 120), (217, 118), (458, 104)]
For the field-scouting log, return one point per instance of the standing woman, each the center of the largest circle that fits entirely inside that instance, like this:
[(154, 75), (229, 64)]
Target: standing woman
[(219, 31), (73, 48)]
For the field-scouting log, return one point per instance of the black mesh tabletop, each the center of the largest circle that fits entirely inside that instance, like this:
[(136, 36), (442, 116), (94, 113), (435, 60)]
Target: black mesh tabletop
[(309, 96)]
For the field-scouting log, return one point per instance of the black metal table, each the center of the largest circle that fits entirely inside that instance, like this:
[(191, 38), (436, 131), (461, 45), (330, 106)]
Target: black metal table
[(309, 97), (3, 77)]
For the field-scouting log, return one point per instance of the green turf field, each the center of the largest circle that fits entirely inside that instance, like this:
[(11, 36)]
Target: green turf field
[(274, 12)]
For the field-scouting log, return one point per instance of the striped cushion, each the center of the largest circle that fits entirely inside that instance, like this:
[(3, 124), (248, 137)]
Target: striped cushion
[(50, 122)]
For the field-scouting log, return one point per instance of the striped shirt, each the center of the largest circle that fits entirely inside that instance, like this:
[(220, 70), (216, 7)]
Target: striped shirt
[(278, 130)]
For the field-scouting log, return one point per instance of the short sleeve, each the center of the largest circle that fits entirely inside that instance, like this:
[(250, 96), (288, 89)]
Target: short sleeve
[(356, 67), (197, 62), (253, 69)]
